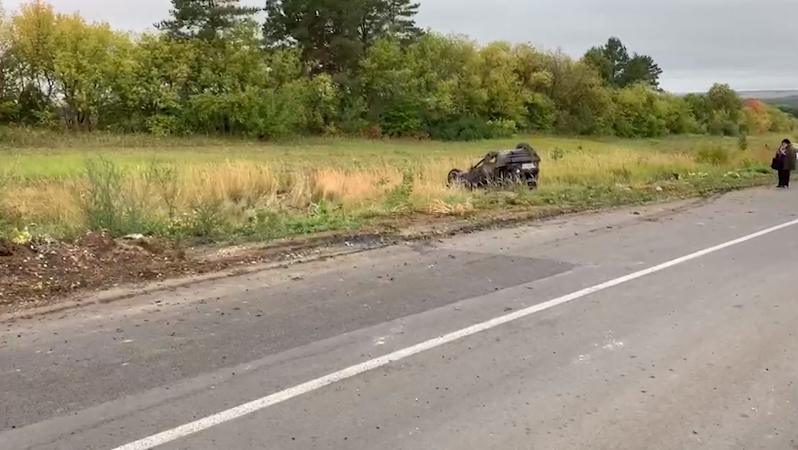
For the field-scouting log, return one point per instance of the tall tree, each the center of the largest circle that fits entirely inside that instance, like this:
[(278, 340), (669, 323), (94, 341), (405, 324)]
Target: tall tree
[(8, 92), (595, 58), (204, 19), (334, 34), (394, 18), (641, 69), (618, 69)]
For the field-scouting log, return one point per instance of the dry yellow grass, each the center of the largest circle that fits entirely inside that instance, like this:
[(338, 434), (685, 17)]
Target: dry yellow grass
[(242, 185)]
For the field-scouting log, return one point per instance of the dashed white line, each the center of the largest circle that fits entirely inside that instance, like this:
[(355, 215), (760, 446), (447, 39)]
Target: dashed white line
[(173, 434)]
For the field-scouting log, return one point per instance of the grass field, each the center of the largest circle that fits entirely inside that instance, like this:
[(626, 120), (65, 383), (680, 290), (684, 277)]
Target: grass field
[(232, 190)]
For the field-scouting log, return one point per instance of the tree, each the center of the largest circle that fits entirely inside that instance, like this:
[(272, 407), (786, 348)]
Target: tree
[(8, 91), (65, 70), (755, 118), (723, 99), (789, 109), (618, 69), (641, 69), (335, 34), (204, 19), (393, 18), (719, 110), (595, 58)]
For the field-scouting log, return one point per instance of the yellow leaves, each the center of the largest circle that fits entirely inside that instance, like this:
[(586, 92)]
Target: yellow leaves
[(168, 59), (497, 54), (54, 44), (77, 61), (4, 29), (33, 36), (756, 121)]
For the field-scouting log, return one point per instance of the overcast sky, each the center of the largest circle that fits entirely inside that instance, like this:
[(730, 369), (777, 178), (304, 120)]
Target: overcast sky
[(750, 44)]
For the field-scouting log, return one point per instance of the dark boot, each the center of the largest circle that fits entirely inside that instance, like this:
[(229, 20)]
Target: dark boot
[(784, 178)]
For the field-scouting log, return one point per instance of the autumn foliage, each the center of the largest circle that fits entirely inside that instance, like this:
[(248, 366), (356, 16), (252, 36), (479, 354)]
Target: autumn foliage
[(59, 71)]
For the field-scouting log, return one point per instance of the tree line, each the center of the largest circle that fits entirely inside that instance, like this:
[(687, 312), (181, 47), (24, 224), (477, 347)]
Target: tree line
[(788, 104), (336, 67)]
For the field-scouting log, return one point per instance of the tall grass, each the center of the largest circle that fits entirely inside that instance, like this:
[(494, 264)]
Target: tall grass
[(215, 192)]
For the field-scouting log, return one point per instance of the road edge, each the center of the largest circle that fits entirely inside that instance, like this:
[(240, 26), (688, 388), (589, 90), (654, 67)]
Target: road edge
[(337, 246)]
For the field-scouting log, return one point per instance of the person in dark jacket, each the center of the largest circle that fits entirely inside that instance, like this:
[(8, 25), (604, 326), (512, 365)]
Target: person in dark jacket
[(785, 162)]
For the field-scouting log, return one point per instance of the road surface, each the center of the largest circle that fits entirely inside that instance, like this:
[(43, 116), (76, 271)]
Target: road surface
[(636, 329)]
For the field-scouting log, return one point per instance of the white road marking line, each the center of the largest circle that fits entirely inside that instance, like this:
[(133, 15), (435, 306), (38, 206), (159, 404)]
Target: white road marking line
[(287, 394)]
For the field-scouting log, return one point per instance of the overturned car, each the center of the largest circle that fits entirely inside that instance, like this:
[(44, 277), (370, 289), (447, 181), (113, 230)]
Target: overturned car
[(502, 168)]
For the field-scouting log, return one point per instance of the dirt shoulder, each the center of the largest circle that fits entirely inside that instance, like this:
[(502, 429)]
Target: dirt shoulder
[(45, 276)]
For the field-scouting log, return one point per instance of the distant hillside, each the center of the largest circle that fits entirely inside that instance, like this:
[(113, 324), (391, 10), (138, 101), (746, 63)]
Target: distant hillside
[(769, 95), (783, 101), (783, 98), (787, 97)]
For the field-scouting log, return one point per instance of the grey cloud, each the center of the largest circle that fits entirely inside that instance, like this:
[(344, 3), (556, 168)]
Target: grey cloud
[(749, 44)]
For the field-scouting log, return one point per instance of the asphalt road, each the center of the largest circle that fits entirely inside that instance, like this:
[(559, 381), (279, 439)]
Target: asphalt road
[(637, 329)]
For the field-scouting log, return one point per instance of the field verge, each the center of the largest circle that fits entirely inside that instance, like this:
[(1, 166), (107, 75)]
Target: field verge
[(75, 219)]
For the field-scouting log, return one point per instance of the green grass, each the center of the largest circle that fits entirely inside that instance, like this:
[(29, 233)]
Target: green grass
[(37, 153)]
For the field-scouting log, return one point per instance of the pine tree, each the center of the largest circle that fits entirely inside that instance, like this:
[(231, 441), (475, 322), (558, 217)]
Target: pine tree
[(388, 17), (641, 69), (204, 19), (618, 69), (334, 34)]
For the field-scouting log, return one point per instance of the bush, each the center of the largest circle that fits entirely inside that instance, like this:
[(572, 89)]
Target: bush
[(107, 202), (468, 129), (401, 119)]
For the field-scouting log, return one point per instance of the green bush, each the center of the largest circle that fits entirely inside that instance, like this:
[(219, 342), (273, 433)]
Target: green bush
[(401, 119), (467, 129)]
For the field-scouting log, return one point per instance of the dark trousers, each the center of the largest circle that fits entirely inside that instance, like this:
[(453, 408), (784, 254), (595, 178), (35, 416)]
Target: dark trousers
[(784, 178)]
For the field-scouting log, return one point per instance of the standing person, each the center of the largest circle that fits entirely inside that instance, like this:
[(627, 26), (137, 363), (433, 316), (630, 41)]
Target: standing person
[(786, 162)]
